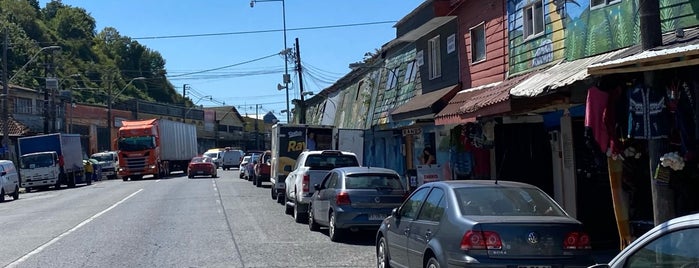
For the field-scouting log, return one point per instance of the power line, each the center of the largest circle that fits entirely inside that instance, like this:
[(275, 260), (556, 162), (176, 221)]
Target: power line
[(224, 67), (262, 31)]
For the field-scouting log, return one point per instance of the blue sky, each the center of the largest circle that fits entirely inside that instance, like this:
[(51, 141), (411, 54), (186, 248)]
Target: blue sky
[(325, 52)]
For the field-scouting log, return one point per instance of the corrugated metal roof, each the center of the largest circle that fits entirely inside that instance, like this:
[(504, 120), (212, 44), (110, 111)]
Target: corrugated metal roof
[(423, 102), (673, 46), (460, 98), (559, 75), (494, 95)]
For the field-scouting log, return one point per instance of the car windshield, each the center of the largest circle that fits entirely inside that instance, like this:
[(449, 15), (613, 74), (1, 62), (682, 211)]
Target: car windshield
[(37, 161), (103, 157), (505, 201), (212, 155), (136, 143), (373, 181), (328, 162)]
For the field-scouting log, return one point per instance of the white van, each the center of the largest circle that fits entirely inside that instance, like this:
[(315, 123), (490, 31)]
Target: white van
[(231, 159), (215, 155), (9, 180)]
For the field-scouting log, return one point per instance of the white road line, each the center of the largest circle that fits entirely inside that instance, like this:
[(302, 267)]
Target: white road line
[(157, 180), (55, 239)]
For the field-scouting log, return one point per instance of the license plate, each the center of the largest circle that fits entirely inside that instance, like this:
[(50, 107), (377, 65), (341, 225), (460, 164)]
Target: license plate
[(378, 217), (534, 266)]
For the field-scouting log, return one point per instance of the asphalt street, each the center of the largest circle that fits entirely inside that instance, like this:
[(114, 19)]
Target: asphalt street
[(173, 222)]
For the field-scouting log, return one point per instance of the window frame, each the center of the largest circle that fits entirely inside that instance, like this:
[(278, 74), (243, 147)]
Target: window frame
[(440, 194), (530, 9), (603, 3), (434, 57), (473, 45), (24, 105)]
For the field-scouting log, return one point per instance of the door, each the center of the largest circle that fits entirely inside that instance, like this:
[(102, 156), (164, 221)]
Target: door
[(321, 205), (425, 226), (4, 179), (398, 230)]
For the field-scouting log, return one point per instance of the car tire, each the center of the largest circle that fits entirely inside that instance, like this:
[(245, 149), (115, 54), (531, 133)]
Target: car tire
[(2, 195), (280, 199), (383, 259), (432, 263), (28, 189), (125, 178), (298, 215), (272, 193), (258, 181), (287, 208), (15, 195), (312, 224), (334, 233)]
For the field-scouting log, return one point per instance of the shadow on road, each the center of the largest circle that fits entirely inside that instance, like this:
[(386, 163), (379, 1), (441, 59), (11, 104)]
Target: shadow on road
[(359, 238)]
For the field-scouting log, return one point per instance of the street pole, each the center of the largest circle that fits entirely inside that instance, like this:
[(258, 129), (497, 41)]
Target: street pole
[(302, 105), (46, 98), (257, 132), (286, 78), (5, 100), (109, 108), (651, 36)]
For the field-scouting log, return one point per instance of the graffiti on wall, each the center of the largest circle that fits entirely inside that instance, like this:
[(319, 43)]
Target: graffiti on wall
[(536, 49), (604, 28)]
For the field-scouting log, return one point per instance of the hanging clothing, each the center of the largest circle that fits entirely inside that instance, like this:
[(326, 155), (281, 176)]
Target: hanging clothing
[(647, 114), (612, 121), (595, 105)]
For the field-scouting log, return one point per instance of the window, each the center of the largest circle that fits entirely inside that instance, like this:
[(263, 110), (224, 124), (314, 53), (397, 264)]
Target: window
[(478, 43), (412, 206), (601, 3), (409, 72), (392, 78), (533, 20), (23, 106), (434, 206), (434, 60), (675, 249)]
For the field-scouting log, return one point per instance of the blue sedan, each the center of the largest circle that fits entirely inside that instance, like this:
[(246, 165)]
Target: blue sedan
[(485, 223)]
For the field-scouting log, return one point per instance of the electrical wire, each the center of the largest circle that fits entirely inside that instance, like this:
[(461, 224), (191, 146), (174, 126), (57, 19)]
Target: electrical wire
[(263, 31), (224, 67)]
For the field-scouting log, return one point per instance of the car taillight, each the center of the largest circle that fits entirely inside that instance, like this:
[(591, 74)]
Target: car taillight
[(306, 181), (577, 240), (342, 199), (481, 240)]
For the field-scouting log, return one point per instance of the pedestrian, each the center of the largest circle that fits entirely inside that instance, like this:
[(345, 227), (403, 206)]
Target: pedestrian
[(427, 157), (89, 170), (311, 141)]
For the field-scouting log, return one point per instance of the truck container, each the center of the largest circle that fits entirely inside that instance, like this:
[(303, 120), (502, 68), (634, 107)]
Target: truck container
[(154, 147), (51, 160), (289, 140)]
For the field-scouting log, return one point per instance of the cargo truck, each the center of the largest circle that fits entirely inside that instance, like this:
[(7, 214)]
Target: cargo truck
[(51, 160), (289, 140), (154, 147)]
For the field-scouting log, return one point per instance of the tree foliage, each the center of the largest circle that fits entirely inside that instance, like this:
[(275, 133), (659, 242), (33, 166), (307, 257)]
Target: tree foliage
[(90, 63)]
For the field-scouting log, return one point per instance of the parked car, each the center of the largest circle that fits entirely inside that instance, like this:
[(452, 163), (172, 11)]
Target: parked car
[(262, 168), (481, 223), (246, 166), (231, 158), (202, 166), (310, 169), (215, 155), (354, 198), (9, 180), (674, 243)]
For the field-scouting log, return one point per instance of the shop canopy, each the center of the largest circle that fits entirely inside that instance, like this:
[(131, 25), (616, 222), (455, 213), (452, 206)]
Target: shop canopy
[(679, 49), (425, 106)]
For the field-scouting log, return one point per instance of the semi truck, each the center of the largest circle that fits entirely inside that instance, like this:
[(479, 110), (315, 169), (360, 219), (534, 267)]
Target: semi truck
[(51, 160), (289, 140), (154, 147)]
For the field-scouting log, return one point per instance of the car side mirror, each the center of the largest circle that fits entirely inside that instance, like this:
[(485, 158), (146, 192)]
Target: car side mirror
[(316, 186), (287, 168), (395, 213)]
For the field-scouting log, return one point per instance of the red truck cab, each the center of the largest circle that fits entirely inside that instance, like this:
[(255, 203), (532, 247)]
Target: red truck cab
[(262, 168)]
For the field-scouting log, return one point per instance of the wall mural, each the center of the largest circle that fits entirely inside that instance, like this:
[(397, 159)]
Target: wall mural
[(591, 32), (541, 49)]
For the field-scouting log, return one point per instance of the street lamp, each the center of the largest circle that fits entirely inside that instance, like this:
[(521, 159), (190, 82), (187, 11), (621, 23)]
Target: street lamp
[(109, 104), (195, 103), (6, 92), (286, 78)]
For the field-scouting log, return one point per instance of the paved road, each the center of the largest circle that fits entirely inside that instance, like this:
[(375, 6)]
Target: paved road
[(173, 222)]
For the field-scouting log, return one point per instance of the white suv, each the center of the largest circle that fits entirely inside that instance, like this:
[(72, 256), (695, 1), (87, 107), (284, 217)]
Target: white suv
[(9, 180), (311, 167)]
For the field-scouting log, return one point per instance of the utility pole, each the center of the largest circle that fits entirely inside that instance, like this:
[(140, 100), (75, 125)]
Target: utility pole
[(257, 132), (110, 99), (47, 115), (302, 105), (184, 102), (651, 36), (5, 101)]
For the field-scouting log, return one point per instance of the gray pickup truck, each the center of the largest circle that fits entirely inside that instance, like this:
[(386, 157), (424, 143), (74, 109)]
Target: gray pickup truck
[(311, 168)]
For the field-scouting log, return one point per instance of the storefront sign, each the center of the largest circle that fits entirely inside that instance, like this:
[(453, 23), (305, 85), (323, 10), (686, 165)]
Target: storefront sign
[(412, 131)]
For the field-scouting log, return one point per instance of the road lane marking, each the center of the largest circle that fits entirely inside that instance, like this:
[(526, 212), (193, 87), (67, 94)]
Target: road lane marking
[(55, 239), (157, 180)]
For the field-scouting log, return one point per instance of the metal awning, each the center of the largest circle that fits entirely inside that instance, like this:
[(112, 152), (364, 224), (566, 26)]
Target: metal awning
[(560, 75), (425, 106), (676, 51)]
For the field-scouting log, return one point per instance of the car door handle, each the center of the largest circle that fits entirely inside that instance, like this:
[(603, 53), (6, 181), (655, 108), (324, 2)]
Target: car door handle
[(406, 231), (428, 234)]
